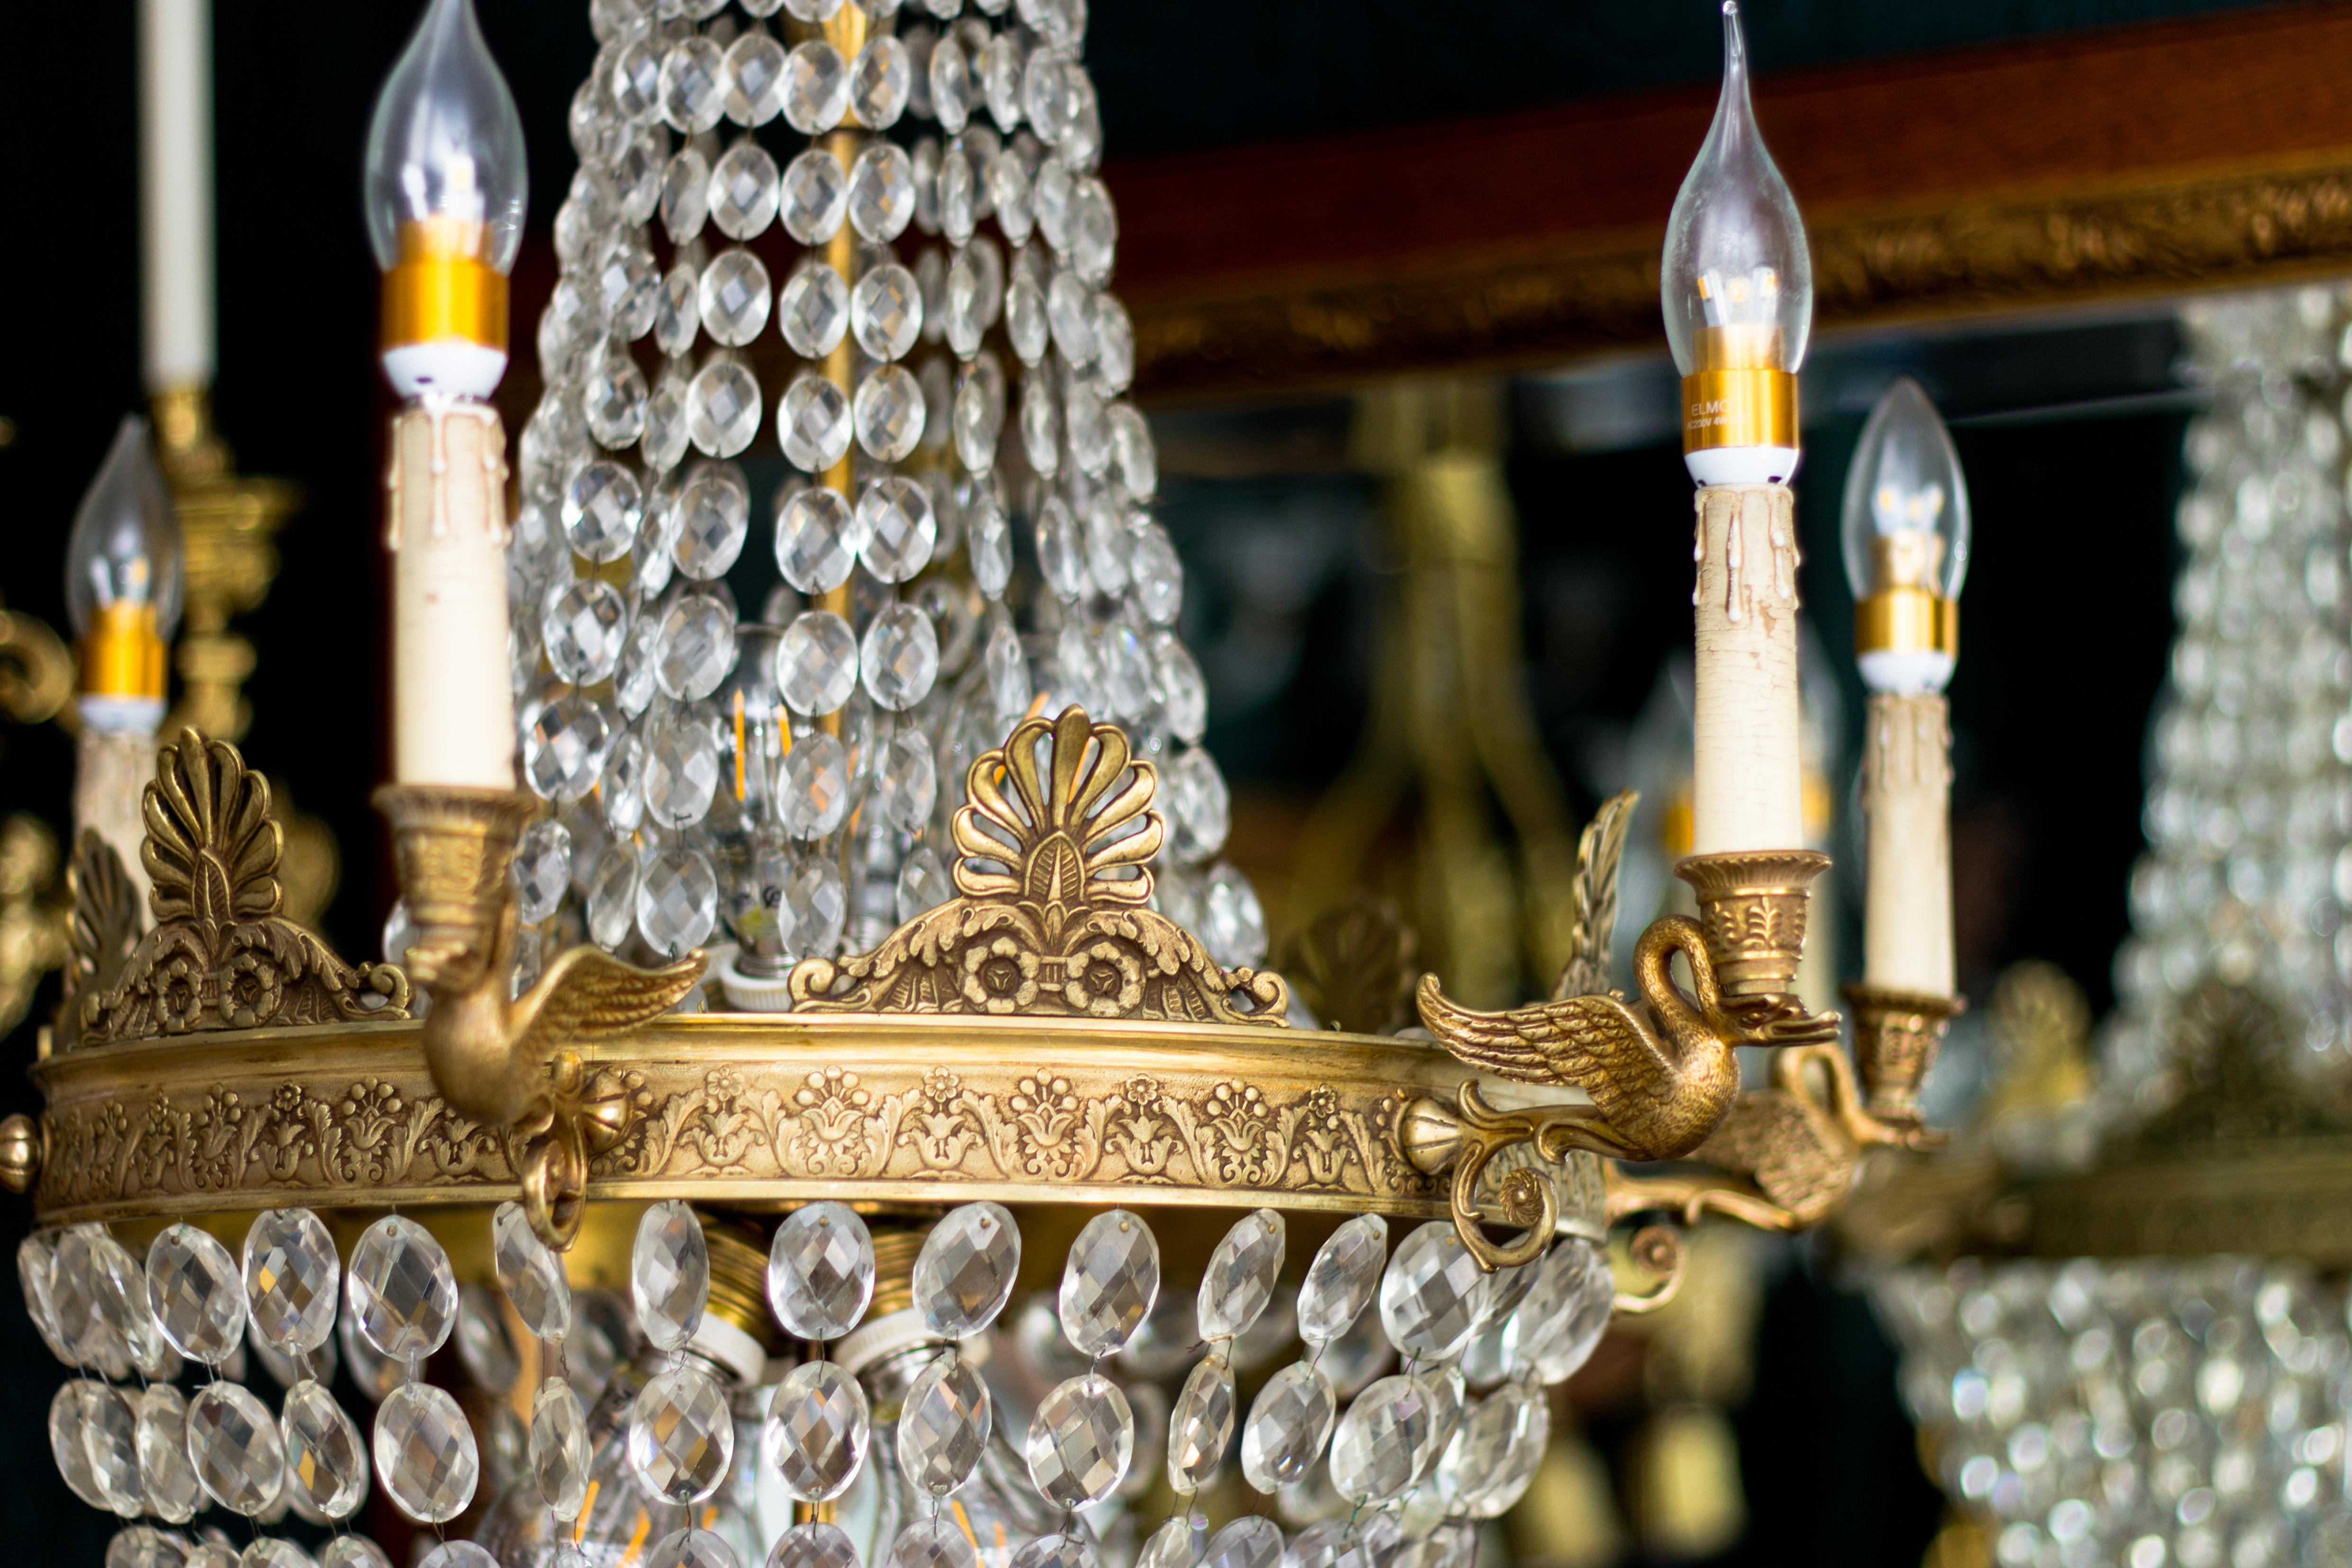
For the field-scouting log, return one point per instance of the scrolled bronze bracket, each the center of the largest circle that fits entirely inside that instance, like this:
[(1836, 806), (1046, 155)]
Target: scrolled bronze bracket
[(509, 1061), (1465, 1139)]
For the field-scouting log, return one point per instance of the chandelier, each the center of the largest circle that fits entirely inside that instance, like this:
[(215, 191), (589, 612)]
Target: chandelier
[(820, 1081)]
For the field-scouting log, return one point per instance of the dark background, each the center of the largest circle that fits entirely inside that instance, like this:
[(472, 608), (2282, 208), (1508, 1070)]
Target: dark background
[(2050, 709)]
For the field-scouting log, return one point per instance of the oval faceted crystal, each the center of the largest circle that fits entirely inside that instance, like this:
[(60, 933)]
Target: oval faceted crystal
[(1200, 1426), (1110, 1283), (943, 1425), (691, 1548), (234, 1444), (1239, 1281), (68, 1414), (1500, 1446), (349, 1550), (273, 1552), (1080, 1440), (1379, 1441), (1563, 1317), (1341, 1278), (457, 1554), (965, 1272), (817, 1430), (669, 1274), (681, 1437), (144, 1546), (813, 1545), (559, 1447), (325, 1461), (532, 1275), (195, 1293), (821, 1272), (404, 1294), (37, 1258), (1172, 1545), (290, 1280), (932, 1543), (1434, 1293), (1066, 1551), (109, 1441), (1287, 1427), (1252, 1541), (424, 1453), (165, 1476)]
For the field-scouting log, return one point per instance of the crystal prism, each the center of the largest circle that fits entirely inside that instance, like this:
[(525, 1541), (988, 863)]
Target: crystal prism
[(458, 1554), (72, 1410), (932, 1543), (195, 1293), (815, 88), (899, 658), (144, 1546), (325, 1461), (899, 527), (403, 1292), (424, 1453), (1200, 1426), (566, 748), (273, 1552), (1239, 1279), (812, 790), (685, 205), (907, 782), (1378, 1442), (558, 1449), (669, 1274), (691, 1548), (888, 412), (1341, 1280), (542, 870), (166, 1477), (348, 1551), (881, 193), (817, 1429), (1252, 1541), (1067, 1550), (821, 1272), (812, 424), (813, 1545), (879, 81), (943, 1425), (1556, 1327), (817, 538), (886, 311), (696, 647), (733, 298), (234, 1444), (1080, 1440), (965, 1272), (816, 662), (681, 1437), (529, 1272), (602, 508), (1433, 1294), (722, 408), (923, 883), (755, 79), (692, 92), (1287, 1427), (1110, 1283), (743, 195), (582, 627), (36, 1256), (1178, 1543), (815, 197), (813, 310)]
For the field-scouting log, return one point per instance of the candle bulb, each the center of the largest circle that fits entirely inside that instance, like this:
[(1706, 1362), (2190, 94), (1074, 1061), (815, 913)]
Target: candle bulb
[(1905, 535), (445, 187), (1736, 288), (123, 579)]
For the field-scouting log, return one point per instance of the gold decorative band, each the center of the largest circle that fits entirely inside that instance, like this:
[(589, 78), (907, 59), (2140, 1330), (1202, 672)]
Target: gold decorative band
[(1896, 1036), (122, 656), (430, 297), (1906, 621), (1749, 407)]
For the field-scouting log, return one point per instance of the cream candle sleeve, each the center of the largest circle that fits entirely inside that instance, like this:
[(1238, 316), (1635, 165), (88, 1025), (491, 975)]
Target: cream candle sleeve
[(1748, 778), (111, 772), (453, 705), (176, 181), (1906, 785)]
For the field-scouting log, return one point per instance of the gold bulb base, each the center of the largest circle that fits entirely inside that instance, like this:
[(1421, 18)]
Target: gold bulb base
[(1906, 621), (1742, 406), (1896, 1035), (440, 289), (123, 653)]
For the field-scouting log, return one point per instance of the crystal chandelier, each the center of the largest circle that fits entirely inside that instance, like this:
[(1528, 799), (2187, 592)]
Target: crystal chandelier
[(2164, 1381), (806, 971)]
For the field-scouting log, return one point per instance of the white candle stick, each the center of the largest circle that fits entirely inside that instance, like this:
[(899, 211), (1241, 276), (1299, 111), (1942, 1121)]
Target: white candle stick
[(1747, 776), (176, 178), (1907, 781), (452, 711)]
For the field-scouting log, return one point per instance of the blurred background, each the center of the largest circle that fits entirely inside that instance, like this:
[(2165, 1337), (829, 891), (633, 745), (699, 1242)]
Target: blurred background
[(1357, 236)]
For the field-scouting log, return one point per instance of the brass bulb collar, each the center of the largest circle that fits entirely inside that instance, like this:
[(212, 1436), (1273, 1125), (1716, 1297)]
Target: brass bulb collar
[(1906, 621), (122, 654), (739, 1280), (433, 297), (1744, 406)]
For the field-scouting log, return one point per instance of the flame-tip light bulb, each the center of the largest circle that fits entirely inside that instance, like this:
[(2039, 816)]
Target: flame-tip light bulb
[(1737, 285), (1906, 532), (123, 571), (445, 187)]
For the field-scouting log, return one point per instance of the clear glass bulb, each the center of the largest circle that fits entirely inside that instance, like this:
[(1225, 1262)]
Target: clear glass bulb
[(123, 571), (1737, 280), (445, 187), (445, 149), (1905, 535)]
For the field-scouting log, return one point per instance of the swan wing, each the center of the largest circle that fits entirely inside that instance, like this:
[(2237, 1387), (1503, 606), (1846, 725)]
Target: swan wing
[(1595, 1042), (588, 992)]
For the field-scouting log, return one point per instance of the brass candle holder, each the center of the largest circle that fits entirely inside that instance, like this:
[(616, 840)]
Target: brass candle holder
[(1896, 1035), (505, 1060), (1752, 906)]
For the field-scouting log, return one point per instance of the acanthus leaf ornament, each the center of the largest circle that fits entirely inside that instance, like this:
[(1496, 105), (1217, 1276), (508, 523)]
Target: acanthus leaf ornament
[(220, 956), (1052, 919)]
